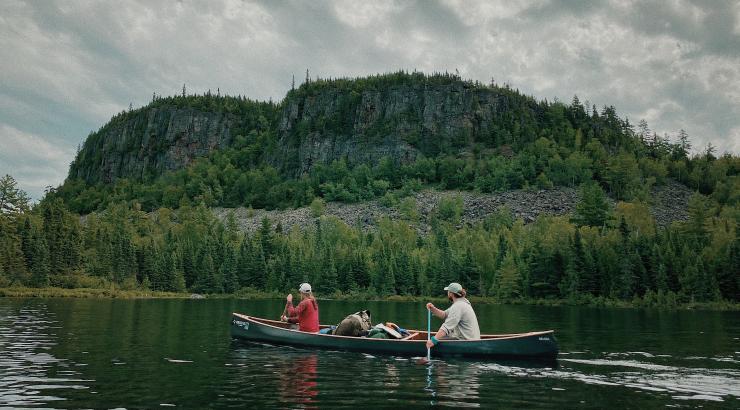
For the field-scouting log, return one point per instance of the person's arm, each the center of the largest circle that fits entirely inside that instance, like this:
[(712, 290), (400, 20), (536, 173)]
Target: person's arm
[(441, 333), (289, 310), (451, 321), (296, 311), (454, 314), (436, 311)]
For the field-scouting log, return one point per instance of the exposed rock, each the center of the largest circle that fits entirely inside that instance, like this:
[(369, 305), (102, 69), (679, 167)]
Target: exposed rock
[(402, 122), (152, 142), (670, 205)]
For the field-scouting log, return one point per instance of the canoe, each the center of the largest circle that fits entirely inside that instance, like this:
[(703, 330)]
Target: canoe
[(537, 345)]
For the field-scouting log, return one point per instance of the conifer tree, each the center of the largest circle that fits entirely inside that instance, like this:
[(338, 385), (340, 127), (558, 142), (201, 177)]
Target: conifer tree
[(509, 281), (593, 207), (229, 271), (40, 265)]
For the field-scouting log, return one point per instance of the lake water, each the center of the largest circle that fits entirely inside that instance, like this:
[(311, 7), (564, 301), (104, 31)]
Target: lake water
[(75, 353)]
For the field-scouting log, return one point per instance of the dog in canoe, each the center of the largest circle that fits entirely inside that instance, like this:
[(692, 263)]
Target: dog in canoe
[(356, 325)]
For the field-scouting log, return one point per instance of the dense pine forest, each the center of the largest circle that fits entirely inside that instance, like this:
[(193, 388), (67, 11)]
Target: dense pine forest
[(156, 231)]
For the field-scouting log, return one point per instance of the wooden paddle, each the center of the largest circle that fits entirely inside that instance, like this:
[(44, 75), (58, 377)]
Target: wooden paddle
[(285, 312)]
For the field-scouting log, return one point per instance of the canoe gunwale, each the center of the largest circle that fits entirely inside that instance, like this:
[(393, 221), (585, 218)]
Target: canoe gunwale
[(484, 338)]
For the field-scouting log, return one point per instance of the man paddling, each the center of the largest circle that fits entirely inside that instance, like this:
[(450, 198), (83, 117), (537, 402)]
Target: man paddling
[(306, 314), (460, 322)]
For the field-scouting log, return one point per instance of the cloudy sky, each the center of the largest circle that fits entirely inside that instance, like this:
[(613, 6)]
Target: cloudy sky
[(67, 66)]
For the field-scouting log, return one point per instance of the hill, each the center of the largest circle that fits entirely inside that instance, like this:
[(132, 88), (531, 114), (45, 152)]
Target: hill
[(351, 140), (394, 184)]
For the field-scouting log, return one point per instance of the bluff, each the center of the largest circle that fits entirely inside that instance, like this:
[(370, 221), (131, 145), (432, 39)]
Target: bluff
[(363, 121), (152, 142), (166, 135), (400, 116)]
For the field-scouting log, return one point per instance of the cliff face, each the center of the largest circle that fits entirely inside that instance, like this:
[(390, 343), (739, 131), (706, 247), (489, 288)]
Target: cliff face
[(360, 121), (151, 142), (400, 121)]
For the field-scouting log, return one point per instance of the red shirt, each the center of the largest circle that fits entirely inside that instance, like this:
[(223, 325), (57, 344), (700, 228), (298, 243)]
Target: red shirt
[(306, 314)]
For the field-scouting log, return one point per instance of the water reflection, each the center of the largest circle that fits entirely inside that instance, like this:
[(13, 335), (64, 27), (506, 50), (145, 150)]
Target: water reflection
[(179, 352), (453, 383), (297, 377), (29, 373)]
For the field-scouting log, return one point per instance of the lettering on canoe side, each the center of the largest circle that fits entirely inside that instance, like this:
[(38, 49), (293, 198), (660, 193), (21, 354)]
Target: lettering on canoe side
[(544, 339), (240, 323)]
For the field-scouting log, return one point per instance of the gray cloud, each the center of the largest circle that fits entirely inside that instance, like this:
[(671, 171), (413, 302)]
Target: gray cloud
[(68, 66)]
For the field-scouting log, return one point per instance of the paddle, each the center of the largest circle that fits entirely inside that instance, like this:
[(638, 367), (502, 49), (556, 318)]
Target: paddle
[(429, 332), (285, 311)]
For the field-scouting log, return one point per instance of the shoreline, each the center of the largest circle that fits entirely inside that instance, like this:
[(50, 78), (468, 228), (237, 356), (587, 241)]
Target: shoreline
[(113, 293)]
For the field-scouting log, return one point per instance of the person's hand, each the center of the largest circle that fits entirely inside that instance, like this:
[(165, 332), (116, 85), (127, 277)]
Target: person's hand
[(289, 298), (283, 318), (430, 344), (430, 306)]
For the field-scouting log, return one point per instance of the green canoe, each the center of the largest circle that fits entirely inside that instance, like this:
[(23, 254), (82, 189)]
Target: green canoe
[(540, 345)]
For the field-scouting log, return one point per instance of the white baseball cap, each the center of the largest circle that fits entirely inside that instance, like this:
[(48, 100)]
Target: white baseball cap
[(454, 287), (305, 288)]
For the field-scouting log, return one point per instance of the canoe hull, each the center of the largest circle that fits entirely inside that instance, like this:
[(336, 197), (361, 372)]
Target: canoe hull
[(526, 345)]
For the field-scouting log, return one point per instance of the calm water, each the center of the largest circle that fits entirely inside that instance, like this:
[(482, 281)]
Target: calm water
[(72, 353)]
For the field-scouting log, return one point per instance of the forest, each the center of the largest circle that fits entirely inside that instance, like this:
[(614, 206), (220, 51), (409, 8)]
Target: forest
[(597, 254), (158, 232)]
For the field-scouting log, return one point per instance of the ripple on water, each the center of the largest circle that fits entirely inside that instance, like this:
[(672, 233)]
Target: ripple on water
[(26, 365), (177, 360), (682, 382)]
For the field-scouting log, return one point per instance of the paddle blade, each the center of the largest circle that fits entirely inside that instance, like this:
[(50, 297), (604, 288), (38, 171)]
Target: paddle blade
[(423, 361)]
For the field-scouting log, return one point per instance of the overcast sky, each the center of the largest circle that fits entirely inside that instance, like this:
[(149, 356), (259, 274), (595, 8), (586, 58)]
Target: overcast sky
[(68, 66)]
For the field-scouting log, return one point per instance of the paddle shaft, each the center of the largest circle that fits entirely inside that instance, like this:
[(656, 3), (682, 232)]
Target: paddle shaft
[(285, 310), (429, 332)]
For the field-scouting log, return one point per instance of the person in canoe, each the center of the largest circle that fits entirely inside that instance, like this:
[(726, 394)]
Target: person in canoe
[(306, 314), (460, 321)]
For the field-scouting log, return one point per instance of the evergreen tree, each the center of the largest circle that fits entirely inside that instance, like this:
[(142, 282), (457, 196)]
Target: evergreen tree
[(13, 200), (405, 281), (695, 228), (509, 281), (593, 208), (265, 237), (626, 281), (175, 273), (228, 271), (470, 274), (329, 278), (26, 237), (208, 280), (40, 265)]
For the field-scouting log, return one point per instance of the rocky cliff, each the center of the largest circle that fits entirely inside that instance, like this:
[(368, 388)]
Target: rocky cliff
[(362, 120), (363, 123), (151, 142)]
